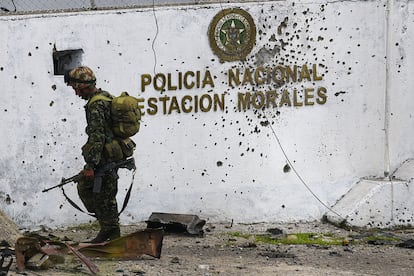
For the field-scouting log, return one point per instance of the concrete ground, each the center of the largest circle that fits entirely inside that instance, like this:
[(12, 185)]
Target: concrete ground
[(242, 250)]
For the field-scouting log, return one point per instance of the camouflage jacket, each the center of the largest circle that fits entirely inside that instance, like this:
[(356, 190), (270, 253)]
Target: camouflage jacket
[(98, 129)]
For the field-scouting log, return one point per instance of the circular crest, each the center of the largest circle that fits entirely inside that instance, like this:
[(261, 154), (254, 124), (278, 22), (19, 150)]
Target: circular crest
[(232, 34)]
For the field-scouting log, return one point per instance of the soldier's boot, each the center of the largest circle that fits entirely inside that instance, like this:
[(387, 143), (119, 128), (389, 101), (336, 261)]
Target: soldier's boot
[(109, 231)]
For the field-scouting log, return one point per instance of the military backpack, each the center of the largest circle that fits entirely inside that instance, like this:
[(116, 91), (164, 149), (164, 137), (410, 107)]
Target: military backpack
[(126, 117)]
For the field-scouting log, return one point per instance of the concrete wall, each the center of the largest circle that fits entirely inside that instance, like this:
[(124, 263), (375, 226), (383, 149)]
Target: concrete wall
[(259, 164)]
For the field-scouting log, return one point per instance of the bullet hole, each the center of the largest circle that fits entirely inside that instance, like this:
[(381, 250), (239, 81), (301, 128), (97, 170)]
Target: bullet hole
[(107, 42), (283, 206), (338, 93), (8, 199), (60, 206), (15, 77), (24, 203), (64, 120), (30, 54), (120, 54), (286, 168), (219, 163), (41, 156), (264, 123), (1, 68)]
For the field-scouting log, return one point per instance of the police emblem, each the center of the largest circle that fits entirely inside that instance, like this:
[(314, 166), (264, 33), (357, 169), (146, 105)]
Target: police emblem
[(232, 34)]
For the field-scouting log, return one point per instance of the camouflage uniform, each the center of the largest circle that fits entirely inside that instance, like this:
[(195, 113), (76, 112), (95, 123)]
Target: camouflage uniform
[(98, 116), (98, 129)]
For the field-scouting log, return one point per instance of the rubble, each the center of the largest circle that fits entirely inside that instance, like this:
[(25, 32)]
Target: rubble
[(37, 252), (9, 230)]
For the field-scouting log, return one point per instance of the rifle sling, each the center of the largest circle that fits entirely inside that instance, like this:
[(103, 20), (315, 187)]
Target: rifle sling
[(124, 204), (128, 194), (74, 204)]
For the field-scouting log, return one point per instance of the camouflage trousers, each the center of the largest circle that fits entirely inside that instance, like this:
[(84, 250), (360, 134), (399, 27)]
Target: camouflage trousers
[(102, 204)]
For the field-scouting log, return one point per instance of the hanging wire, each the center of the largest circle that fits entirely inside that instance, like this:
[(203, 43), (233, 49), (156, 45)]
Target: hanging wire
[(156, 35), (15, 9), (296, 172)]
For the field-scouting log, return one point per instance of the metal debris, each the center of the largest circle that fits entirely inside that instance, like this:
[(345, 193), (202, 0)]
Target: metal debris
[(38, 252), (6, 258), (132, 246), (177, 223)]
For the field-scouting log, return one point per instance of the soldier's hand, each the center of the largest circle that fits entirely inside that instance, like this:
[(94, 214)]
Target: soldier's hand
[(89, 174)]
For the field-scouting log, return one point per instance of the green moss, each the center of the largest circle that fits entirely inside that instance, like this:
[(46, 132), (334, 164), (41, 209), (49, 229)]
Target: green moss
[(240, 235), (297, 238)]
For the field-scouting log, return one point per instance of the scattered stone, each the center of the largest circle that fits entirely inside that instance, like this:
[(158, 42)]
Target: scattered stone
[(345, 242), (334, 253), (175, 260), (407, 244), (249, 245), (276, 233), (292, 237), (277, 254), (204, 267)]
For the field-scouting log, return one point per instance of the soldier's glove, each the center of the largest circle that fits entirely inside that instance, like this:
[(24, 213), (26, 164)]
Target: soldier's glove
[(89, 174)]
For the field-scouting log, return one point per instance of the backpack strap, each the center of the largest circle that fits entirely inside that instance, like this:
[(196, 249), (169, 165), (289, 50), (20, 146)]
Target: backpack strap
[(97, 98)]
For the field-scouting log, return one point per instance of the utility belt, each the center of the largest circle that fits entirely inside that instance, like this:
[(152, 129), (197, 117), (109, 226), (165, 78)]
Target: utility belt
[(119, 149)]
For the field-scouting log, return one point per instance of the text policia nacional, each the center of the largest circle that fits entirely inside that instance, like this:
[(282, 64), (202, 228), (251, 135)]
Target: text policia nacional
[(169, 102)]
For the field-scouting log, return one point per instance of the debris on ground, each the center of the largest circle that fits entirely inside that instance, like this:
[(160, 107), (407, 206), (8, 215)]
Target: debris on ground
[(177, 223), (244, 249), (34, 251)]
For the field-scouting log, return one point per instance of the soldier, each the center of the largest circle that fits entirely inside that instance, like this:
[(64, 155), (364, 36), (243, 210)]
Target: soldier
[(103, 203)]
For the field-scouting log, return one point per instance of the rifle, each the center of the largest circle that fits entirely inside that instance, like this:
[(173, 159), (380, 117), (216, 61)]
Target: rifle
[(99, 173)]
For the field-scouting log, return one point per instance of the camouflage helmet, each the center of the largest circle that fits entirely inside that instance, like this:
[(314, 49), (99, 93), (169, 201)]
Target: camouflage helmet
[(80, 77)]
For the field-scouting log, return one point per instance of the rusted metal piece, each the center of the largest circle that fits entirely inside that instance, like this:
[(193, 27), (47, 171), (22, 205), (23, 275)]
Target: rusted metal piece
[(191, 224), (91, 266), (132, 246), (39, 252)]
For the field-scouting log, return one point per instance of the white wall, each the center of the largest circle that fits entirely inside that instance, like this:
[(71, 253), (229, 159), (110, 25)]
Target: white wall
[(219, 165)]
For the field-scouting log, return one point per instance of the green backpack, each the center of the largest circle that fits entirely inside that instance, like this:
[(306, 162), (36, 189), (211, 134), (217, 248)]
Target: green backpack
[(125, 114)]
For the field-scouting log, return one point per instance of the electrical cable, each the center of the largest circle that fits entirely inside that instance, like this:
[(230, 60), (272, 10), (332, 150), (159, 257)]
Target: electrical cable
[(15, 9), (296, 172), (156, 35)]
